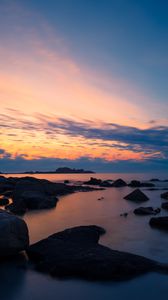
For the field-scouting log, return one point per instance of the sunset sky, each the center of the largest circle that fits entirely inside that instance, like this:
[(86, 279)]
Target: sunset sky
[(84, 83)]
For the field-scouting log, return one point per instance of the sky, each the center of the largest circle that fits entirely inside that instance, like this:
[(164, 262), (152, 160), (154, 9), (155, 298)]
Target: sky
[(83, 83)]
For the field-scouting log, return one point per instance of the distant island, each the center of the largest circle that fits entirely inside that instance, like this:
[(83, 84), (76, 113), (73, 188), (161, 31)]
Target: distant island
[(63, 170)]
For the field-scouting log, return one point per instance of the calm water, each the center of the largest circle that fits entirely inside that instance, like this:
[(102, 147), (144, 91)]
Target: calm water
[(131, 234)]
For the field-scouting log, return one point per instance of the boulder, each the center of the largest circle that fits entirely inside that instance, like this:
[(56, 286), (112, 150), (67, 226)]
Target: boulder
[(137, 196), (135, 183), (164, 195), (165, 205), (93, 181), (32, 193), (106, 183), (76, 253), (146, 211), (119, 183), (160, 222), (13, 234), (4, 201)]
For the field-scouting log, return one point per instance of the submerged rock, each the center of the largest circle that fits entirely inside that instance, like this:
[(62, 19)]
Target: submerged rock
[(146, 211), (137, 196), (13, 234), (164, 195), (75, 252), (119, 183), (160, 222)]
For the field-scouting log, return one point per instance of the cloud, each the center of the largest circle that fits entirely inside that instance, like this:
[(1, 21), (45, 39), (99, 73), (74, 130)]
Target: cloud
[(20, 164), (80, 137)]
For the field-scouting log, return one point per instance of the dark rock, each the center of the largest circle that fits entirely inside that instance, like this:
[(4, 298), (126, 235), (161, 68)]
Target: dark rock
[(106, 183), (66, 170), (147, 184), (137, 196), (4, 201), (93, 181), (119, 183), (13, 234), (165, 205), (32, 193), (146, 211), (135, 183), (101, 198), (160, 222), (66, 181), (152, 189), (7, 194), (124, 215), (164, 195), (76, 253)]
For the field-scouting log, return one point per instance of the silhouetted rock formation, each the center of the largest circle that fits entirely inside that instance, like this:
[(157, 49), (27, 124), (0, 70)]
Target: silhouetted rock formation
[(4, 201), (32, 193), (93, 181), (13, 234), (136, 196), (66, 170), (119, 183), (107, 183), (164, 195), (142, 211), (165, 205), (160, 222), (137, 183), (75, 252)]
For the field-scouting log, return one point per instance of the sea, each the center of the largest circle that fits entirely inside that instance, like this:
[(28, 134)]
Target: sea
[(132, 234)]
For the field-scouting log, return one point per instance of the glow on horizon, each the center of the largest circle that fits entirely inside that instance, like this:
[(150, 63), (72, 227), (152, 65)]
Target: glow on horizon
[(37, 78)]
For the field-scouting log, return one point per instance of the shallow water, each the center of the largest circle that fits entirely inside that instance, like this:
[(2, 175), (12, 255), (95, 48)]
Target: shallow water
[(131, 234)]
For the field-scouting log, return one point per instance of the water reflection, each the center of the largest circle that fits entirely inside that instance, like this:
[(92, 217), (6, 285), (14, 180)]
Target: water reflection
[(131, 234)]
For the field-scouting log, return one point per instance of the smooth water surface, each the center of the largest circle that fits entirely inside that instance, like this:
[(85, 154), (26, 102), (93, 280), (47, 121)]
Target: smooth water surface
[(132, 234)]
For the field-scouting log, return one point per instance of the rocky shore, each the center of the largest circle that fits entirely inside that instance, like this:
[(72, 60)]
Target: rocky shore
[(74, 252)]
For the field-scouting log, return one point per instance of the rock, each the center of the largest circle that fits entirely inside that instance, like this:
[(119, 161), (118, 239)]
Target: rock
[(13, 234), (124, 215), (4, 201), (66, 181), (32, 193), (76, 253), (101, 198), (106, 183), (93, 181), (164, 195), (137, 196), (165, 205), (135, 183), (160, 222), (147, 184), (146, 211), (119, 183)]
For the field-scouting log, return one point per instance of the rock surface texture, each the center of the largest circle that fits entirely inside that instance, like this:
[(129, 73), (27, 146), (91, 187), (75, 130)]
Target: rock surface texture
[(75, 252), (14, 235)]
